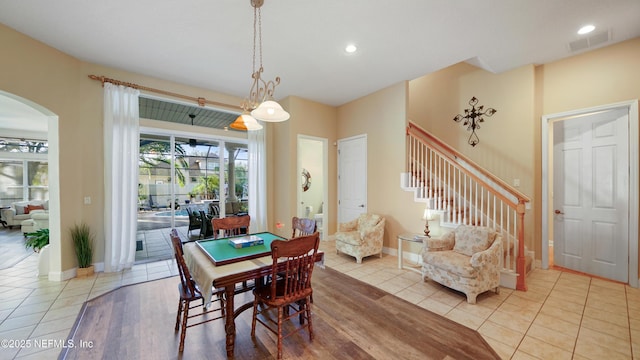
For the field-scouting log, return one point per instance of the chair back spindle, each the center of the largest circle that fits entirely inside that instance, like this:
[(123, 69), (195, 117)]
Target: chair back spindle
[(231, 225), (298, 255)]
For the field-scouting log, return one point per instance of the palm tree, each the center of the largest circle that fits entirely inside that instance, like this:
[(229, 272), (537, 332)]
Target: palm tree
[(153, 153)]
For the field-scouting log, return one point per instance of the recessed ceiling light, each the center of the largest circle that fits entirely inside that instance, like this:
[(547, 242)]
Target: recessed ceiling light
[(586, 29), (350, 48)]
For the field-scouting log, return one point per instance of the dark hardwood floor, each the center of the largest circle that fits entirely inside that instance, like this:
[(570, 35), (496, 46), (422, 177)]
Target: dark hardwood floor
[(351, 320)]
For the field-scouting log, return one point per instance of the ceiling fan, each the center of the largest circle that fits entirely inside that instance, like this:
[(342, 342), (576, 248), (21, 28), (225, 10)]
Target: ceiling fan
[(192, 142)]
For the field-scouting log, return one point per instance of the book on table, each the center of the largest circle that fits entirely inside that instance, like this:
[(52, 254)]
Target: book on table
[(245, 241)]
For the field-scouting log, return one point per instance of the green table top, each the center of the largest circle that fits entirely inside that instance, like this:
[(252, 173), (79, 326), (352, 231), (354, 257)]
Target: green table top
[(221, 253)]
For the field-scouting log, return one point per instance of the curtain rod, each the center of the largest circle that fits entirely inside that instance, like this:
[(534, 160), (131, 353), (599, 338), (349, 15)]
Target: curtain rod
[(199, 100)]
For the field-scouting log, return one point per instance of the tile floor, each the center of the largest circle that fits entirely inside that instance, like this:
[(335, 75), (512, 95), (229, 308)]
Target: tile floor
[(12, 247), (562, 316)]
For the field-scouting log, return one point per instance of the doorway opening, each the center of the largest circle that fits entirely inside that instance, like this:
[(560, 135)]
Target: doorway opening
[(313, 187), (554, 216), (23, 119)]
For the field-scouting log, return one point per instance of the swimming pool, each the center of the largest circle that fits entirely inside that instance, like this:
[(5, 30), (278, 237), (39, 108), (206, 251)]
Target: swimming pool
[(168, 213)]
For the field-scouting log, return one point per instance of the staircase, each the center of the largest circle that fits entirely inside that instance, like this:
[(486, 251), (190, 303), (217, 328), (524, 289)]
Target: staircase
[(461, 192)]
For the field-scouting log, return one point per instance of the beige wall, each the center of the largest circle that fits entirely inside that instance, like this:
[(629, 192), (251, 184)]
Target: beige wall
[(60, 83), (382, 117), (307, 118), (599, 77), (605, 76)]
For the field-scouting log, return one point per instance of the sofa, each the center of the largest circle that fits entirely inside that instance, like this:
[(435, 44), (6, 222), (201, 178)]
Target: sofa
[(467, 259), (361, 237), (39, 220), (22, 210)]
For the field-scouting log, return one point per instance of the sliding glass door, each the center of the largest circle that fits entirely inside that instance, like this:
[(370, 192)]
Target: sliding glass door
[(183, 180)]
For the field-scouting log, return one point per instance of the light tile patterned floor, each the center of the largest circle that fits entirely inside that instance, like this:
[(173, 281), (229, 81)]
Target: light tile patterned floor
[(562, 316)]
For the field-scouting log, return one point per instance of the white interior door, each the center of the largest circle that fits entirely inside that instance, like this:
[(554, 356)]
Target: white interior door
[(591, 194), (352, 178)]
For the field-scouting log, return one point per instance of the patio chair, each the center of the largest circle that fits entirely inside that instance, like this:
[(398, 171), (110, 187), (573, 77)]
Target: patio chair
[(205, 225), (214, 210), (195, 221)]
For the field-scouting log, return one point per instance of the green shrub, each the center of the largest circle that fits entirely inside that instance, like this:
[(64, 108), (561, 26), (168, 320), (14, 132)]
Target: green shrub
[(37, 240)]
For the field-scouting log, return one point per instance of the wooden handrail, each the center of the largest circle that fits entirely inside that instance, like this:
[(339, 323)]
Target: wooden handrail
[(476, 178), (413, 128), (454, 157)]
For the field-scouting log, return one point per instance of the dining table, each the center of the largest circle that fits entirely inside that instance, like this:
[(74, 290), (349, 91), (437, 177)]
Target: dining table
[(215, 264)]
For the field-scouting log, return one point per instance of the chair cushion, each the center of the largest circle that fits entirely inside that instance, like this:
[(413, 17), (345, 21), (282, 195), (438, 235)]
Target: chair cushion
[(349, 237), (367, 221), (472, 239), (450, 261)]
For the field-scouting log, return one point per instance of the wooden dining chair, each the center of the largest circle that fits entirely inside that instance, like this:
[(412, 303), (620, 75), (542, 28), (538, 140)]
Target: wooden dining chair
[(290, 290), (230, 225), (303, 226), (189, 293)]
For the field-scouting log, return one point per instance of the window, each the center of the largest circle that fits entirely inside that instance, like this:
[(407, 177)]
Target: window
[(24, 171)]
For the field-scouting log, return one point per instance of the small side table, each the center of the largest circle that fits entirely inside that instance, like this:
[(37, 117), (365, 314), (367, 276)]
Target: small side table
[(417, 238)]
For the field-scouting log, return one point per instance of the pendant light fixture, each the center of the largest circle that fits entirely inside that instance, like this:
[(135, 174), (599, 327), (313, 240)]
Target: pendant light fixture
[(260, 101), (245, 122)]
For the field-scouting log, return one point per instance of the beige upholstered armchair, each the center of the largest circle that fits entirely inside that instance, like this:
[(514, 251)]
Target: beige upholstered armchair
[(466, 259), (361, 237)]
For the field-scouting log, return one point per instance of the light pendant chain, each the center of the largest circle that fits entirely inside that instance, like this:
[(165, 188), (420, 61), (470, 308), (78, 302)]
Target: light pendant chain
[(260, 33), (260, 101), (255, 10)]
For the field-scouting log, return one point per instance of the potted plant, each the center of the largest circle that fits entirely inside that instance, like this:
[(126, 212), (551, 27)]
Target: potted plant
[(83, 244), (37, 240)]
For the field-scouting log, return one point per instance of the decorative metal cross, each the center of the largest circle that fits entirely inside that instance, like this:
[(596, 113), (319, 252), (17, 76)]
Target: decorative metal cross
[(472, 119)]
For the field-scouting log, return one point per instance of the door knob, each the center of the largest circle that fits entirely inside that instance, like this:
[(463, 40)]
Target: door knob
[(558, 212), (361, 205)]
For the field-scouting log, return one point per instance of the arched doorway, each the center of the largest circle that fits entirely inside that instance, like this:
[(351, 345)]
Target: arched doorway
[(22, 118)]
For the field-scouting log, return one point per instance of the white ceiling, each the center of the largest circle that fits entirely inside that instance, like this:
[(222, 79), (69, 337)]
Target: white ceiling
[(208, 43), (21, 120)]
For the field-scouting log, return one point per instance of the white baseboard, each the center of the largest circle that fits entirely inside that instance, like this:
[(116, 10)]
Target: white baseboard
[(71, 273), (508, 279), (62, 275)]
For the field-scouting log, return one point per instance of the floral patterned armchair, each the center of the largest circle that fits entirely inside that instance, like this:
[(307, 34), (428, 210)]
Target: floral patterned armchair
[(466, 259), (361, 237)]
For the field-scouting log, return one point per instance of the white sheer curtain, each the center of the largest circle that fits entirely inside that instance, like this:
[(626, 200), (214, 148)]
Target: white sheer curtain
[(121, 148), (257, 180)]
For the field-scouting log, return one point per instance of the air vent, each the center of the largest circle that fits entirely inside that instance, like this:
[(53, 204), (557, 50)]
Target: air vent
[(590, 42)]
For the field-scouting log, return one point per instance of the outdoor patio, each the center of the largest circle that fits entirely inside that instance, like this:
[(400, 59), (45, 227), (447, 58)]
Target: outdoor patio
[(153, 239)]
